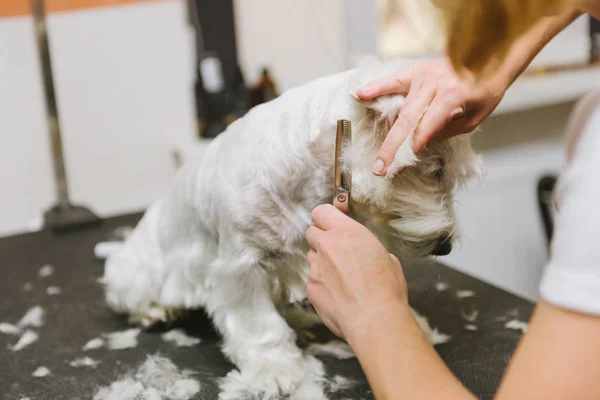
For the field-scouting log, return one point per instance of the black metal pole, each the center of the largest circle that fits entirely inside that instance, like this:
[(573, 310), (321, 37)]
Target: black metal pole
[(63, 215), (62, 189)]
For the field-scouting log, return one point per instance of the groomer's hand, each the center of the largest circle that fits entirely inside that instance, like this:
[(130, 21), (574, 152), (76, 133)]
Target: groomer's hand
[(448, 104), (353, 281)]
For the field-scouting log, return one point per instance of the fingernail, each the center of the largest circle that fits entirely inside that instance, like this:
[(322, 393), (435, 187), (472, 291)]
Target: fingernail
[(378, 167), (366, 90), (458, 113)]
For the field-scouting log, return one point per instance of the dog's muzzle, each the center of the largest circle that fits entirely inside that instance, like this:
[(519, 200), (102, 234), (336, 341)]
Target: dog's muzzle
[(443, 246)]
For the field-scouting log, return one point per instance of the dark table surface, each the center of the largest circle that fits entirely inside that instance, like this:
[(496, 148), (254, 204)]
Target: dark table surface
[(478, 358)]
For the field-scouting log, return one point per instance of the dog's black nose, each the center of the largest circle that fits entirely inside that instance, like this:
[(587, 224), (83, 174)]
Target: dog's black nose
[(443, 246)]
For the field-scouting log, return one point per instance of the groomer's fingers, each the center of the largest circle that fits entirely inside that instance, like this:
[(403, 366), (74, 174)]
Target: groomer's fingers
[(394, 84), (313, 237), (315, 272), (406, 122), (451, 130), (395, 260), (466, 124), (326, 217), (442, 110)]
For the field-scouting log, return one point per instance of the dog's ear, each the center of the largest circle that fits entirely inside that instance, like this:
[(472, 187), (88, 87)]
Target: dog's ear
[(370, 69), (465, 163), (382, 112)]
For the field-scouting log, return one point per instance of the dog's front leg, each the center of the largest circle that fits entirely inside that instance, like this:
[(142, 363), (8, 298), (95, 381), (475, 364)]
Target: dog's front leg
[(259, 341)]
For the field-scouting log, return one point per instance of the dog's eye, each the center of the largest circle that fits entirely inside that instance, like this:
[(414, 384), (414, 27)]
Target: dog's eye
[(439, 174)]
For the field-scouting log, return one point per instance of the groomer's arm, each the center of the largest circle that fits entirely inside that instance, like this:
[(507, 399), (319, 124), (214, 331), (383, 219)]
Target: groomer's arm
[(557, 359), (399, 361), (526, 48), (448, 104)]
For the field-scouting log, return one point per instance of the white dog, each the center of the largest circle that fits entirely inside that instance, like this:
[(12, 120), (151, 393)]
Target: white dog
[(229, 235)]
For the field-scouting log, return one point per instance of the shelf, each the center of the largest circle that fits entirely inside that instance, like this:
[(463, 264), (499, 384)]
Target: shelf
[(540, 90)]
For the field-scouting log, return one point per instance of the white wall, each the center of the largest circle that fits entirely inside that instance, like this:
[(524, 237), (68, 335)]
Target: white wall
[(25, 166), (300, 40), (124, 77)]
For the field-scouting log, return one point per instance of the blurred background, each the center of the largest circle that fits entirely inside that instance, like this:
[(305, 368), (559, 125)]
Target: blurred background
[(142, 85)]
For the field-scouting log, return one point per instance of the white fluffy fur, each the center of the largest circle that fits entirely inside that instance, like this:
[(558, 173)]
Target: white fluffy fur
[(156, 379), (229, 235)]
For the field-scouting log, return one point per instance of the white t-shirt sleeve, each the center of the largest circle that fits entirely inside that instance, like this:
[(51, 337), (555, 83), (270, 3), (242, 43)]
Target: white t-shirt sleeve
[(572, 278)]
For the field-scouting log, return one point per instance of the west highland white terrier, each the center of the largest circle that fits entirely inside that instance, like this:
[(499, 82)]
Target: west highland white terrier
[(229, 234)]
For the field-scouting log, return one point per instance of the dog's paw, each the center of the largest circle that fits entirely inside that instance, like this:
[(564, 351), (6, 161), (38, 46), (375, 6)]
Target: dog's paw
[(312, 387), (271, 379)]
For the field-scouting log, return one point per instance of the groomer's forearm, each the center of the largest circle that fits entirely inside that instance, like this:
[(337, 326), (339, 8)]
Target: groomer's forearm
[(399, 361), (557, 359), (525, 49)]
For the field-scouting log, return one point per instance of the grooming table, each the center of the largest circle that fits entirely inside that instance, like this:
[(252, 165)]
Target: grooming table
[(78, 314)]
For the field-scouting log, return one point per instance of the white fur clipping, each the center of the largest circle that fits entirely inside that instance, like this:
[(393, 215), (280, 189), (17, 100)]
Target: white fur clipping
[(438, 337), (434, 336), (45, 271), (441, 286), (27, 287), (156, 379), (9, 329), (179, 338), (53, 290), (95, 343), (334, 348), (517, 325), (123, 339), (41, 372), (84, 362), (26, 339), (463, 294), (469, 316), (35, 316)]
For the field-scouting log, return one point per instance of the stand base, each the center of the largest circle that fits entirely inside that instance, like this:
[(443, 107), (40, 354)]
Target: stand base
[(65, 218)]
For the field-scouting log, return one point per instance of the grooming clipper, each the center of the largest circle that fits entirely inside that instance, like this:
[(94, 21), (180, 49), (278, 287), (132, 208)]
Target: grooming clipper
[(342, 183)]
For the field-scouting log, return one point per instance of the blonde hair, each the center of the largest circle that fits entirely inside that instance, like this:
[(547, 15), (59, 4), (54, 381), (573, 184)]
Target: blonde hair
[(480, 32)]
